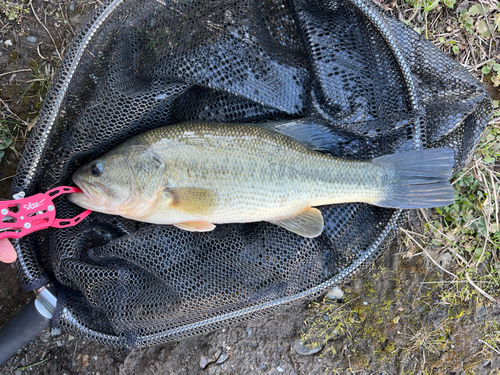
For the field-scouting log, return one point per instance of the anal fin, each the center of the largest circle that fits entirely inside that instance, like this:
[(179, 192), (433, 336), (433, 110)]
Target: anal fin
[(196, 226), (306, 223)]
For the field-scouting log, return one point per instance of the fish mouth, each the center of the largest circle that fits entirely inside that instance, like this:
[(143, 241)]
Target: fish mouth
[(84, 199)]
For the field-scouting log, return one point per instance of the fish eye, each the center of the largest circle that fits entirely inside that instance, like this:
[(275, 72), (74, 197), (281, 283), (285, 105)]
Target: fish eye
[(95, 169)]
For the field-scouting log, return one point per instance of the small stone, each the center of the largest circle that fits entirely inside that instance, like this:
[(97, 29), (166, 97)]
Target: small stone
[(44, 335), (335, 293), (280, 369), (445, 259), (204, 361), (486, 364), (217, 354), (85, 360), (59, 343), (325, 318), (55, 332), (8, 43), (222, 358), (449, 28), (249, 331), (72, 6), (71, 338), (480, 313), (301, 349), (31, 39)]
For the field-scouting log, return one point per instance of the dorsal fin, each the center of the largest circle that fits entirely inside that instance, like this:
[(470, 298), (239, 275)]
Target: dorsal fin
[(310, 132)]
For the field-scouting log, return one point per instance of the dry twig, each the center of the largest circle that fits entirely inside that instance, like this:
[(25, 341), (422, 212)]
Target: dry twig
[(47, 30)]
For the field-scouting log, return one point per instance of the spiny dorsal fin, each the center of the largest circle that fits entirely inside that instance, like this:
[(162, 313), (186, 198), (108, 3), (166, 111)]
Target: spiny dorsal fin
[(306, 223), (192, 201)]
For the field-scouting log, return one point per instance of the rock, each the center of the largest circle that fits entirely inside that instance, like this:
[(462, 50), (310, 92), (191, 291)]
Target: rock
[(301, 349), (204, 361), (217, 354), (72, 6), (31, 39), (70, 337), (55, 332), (325, 318), (280, 369), (462, 5), (8, 43), (480, 314), (249, 331), (335, 293), (222, 358), (445, 259), (59, 343), (44, 335), (85, 360)]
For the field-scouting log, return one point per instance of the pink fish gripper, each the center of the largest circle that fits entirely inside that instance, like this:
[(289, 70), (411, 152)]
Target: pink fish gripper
[(20, 217)]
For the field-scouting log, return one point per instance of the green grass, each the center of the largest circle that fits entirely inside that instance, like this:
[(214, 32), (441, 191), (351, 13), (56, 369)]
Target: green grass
[(6, 137)]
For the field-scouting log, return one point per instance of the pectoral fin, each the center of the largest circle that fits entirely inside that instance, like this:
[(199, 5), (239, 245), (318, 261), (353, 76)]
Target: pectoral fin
[(307, 223), (192, 201), (196, 226)]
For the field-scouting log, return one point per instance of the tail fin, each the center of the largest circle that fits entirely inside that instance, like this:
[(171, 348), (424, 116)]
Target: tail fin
[(419, 178)]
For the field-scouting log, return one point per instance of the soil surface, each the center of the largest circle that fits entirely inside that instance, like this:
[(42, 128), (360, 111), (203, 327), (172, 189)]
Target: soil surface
[(392, 319)]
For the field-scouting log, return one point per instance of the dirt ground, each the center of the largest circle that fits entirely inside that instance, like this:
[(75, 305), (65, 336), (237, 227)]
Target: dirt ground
[(393, 317)]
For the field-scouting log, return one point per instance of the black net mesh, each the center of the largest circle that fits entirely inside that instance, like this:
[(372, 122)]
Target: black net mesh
[(137, 65)]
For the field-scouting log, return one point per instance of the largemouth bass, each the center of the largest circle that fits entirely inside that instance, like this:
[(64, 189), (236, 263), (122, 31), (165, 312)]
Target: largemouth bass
[(195, 175)]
